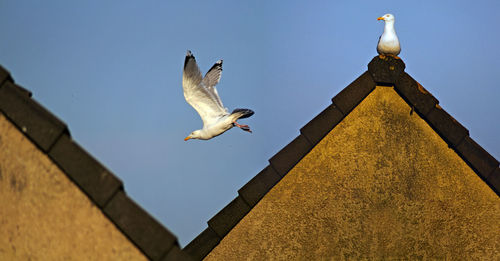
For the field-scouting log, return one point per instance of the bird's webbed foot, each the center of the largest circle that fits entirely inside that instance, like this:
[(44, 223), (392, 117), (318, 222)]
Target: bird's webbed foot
[(394, 56), (243, 127)]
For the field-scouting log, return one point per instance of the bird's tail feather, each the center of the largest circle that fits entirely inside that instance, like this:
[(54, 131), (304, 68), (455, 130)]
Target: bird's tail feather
[(242, 113)]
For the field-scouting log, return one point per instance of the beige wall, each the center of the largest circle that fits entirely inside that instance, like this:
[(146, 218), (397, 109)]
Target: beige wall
[(381, 185), (43, 215)]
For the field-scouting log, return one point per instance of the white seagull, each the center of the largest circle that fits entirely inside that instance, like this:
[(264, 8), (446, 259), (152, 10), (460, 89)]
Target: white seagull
[(388, 43), (202, 95)]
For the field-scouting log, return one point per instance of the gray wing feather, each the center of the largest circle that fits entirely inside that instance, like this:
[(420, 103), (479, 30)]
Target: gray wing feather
[(213, 75), (212, 78), (191, 71), (202, 98)]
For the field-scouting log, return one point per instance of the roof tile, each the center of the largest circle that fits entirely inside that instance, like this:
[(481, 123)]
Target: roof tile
[(41, 126), (4, 76), (24, 91), (494, 180), (85, 171), (415, 94), (229, 216), (176, 254), (199, 247), (354, 93), (290, 155), (259, 185), (142, 229), (386, 71), (323, 123), (450, 129), (477, 157)]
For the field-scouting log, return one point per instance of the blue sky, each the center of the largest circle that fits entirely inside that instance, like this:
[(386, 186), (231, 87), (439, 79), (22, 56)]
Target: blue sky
[(112, 71)]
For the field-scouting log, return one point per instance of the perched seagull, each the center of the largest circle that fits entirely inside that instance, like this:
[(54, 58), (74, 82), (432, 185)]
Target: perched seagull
[(388, 43), (202, 95)]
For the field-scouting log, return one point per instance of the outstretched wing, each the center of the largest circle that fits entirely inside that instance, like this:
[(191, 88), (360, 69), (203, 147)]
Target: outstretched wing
[(205, 101), (212, 78)]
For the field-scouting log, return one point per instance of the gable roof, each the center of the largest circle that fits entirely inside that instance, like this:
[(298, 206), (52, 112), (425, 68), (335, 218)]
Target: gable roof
[(52, 137), (385, 72)]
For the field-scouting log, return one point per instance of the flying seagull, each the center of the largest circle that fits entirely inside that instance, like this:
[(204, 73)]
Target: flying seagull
[(388, 43), (202, 95)]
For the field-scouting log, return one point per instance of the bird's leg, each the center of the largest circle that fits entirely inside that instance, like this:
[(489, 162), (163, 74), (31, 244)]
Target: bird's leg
[(394, 56), (243, 127)]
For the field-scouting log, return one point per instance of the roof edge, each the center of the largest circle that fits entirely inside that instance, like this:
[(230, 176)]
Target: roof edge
[(279, 165), (382, 71), (103, 188)]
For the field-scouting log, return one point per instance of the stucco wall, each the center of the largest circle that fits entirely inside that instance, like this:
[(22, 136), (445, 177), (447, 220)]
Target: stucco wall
[(381, 185), (43, 215)]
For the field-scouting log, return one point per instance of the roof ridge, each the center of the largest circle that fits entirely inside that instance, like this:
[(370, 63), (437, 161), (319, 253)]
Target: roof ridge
[(52, 137), (387, 71)]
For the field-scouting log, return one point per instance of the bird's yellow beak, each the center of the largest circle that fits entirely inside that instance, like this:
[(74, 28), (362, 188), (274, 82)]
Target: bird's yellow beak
[(380, 18), (187, 138)]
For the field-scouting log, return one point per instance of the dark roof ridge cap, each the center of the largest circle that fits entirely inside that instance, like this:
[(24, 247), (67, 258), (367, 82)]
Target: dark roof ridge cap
[(142, 229), (37, 123), (448, 128), (5, 76), (385, 70)]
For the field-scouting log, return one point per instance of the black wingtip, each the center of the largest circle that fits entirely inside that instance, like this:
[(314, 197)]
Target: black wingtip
[(189, 56), (245, 113), (217, 65)]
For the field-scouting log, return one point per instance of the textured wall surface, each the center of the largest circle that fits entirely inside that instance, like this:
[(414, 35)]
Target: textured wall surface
[(43, 215), (381, 185)]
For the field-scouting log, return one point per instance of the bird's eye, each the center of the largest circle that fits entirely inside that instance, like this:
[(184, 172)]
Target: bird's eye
[(386, 15)]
